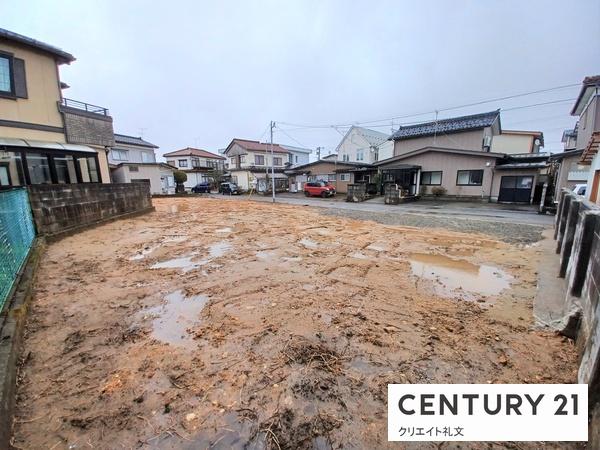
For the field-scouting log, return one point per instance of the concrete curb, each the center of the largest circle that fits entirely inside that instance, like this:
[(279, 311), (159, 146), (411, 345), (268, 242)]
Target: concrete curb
[(12, 321)]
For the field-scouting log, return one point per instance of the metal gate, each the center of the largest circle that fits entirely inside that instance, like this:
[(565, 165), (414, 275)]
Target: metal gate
[(16, 237), (515, 189)]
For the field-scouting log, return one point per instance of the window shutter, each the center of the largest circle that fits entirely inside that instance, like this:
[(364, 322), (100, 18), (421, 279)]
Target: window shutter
[(19, 78)]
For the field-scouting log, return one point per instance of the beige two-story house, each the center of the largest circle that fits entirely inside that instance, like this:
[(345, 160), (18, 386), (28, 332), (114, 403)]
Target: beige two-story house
[(251, 165), (454, 158), (199, 165), (46, 138)]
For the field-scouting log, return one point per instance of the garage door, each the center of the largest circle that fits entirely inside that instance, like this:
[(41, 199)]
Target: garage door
[(515, 189)]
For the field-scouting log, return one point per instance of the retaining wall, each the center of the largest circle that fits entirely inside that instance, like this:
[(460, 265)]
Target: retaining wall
[(577, 234), (63, 208)]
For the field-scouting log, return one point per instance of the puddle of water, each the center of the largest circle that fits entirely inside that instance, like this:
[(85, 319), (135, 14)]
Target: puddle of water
[(265, 255), (219, 249), (175, 316), (175, 238), (308, 243), (456, 276), (292, 258), (143, 253), (223, 230), (376, 246), (184, 263)]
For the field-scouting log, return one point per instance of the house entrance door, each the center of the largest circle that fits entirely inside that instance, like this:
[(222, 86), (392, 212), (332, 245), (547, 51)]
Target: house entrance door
[(515, 189)]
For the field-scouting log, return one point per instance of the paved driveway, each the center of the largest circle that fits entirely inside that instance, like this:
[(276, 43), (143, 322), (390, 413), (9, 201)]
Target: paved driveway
[(513, 214)]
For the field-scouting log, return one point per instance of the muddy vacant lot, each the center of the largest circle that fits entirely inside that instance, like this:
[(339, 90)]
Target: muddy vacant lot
[(212, 324)]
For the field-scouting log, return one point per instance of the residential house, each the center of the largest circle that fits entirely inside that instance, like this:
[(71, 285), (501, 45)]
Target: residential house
[(199, 165), (133, 159), (587, 137), (518, 142), (569, 139), (568, 170), (44, 137), (455, 155), (364, 146), (297, 155), (250, 164), (338, 173)]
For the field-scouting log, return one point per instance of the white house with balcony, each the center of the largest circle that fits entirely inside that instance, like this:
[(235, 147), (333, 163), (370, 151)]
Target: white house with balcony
[(199, 165), (249, 163), (132, 159)]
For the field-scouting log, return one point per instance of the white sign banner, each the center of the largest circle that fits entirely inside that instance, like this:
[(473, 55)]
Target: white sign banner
[(487, 412)]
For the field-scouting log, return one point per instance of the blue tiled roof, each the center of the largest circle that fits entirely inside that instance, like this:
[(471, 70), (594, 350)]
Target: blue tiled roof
[(451, 125)]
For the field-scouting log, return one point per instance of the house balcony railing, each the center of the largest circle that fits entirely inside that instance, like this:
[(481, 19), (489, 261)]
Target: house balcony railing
[(87, 107)]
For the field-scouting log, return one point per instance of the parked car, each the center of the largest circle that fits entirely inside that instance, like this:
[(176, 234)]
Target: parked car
[(579, 189), (201, 187), (229, 188), (319, 188)]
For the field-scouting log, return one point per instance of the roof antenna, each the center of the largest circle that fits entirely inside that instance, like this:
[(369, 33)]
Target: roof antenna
[(141, 131)]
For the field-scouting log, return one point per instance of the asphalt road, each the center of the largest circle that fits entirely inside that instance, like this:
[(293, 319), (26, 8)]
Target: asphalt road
[(512, 214)]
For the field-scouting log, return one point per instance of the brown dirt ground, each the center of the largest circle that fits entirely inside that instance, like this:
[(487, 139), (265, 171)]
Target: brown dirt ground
[(308, 318)]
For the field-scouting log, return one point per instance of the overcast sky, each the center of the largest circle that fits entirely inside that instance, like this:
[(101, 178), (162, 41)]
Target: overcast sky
[(199, 73)]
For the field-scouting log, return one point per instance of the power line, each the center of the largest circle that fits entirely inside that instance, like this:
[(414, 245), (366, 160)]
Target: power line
[(481, 102), (293, 139)]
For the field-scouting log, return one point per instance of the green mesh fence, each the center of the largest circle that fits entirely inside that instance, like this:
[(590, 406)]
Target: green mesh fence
[(16, 236)]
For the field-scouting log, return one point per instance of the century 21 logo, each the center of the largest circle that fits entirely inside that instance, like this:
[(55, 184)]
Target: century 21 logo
[(491, 404)]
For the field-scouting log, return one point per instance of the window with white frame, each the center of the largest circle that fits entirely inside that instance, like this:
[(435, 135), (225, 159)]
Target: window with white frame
[(344, 177), (277, 161), (119, 155), (345, 157), (360, 155), (195, 162), (182, 162), (259, 160), (5, 75), (147, 157)]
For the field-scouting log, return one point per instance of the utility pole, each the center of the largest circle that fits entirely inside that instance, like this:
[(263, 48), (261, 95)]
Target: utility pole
[(318, 153), (272, 162)]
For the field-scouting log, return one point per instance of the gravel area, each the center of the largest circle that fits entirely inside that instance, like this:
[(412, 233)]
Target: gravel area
[(512, 233)]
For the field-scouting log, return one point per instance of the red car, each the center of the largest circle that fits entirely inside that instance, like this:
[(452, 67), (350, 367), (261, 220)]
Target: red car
[(319, 189)]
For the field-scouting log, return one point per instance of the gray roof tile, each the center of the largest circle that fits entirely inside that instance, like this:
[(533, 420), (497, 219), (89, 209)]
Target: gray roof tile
[(132, 140), (451, 125)]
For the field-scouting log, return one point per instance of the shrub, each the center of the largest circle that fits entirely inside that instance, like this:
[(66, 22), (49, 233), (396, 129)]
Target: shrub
[(438, 191), (180, 178)]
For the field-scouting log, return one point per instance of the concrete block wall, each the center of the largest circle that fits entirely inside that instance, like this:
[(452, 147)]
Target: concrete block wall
[(577, 233), (357, 192), (59, 208), (391, 194)]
